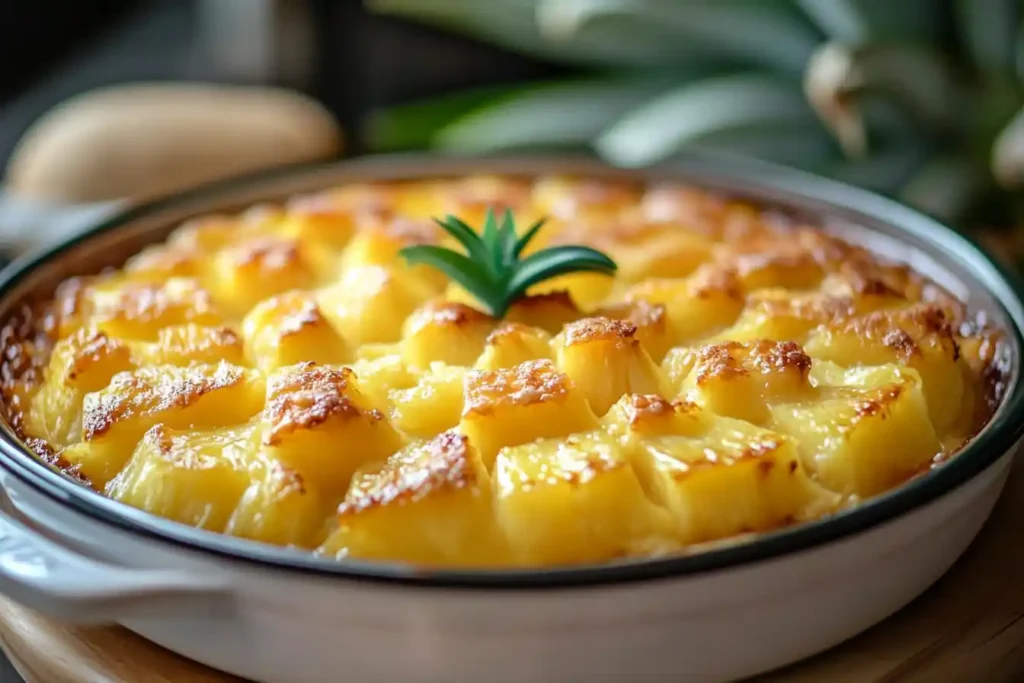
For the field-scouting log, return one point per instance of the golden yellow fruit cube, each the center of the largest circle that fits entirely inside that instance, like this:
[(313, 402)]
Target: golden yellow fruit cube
[(280, 507), (320, 424), (742, 380), (196, 478), (718, 476), (433, 405), (650, 321), (698, 306), (190, 344), (511, 344), (919, 337), (574, 500), (378, 377), (605, 360), (445, 332), (79, 364), (139, 310), (550, 312), (246, 273), (429, 505), (290, 328), (117, 416), (866, 437), (515, 405), (369, 304)]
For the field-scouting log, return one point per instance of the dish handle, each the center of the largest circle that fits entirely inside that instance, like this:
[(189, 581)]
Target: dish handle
[(54, 580)]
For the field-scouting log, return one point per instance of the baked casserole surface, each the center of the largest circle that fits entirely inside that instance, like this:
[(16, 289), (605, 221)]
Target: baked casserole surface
[(283, 375)]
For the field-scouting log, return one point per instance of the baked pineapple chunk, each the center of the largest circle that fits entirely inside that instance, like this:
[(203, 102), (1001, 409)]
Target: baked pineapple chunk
[(290, 328), (448, 332), (644, 250), (550, 312), (511, 344), (378, 244), (378, 377), (650, 321), (196, 478), (246, 273), (117, 416), (918, 336), (768, 263), (587, 290), (79, 364), (189, 344), (575, 500), (159, 261), (430, 505), (697, 306), (320, 424), (605, 360), (781, 314), (741, 380), (718, 476), (279, 507), (864, 437), (512, 406), (433, 405), (369, 303), (139, 310), (318, 219), (571, 197)]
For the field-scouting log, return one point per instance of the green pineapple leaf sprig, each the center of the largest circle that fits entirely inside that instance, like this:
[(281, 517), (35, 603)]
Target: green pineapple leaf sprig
[(492, 267)]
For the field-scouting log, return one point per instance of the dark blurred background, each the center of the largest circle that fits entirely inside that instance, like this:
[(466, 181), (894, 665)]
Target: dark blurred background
[(334, 50)]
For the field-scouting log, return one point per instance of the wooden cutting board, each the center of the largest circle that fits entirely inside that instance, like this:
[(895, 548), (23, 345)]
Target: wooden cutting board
[(968, 628)]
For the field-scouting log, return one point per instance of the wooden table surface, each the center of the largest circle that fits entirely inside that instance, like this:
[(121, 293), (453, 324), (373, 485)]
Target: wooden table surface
[(968, 628)]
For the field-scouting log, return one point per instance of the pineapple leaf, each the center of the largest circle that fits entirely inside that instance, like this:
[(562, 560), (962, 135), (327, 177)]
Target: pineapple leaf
[(493, 244), (545, 114), (512, 24), (754, 32), (466, 236), (496, 276), (945, 187), (530, 233), (989, 32), (549, 263), (855, 22), (838, 77), (474, 277), (663, 126), (508, 240), (411, 126), (1008, 154)]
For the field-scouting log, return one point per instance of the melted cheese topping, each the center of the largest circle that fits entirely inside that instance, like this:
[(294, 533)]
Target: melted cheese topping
[(282, 375)]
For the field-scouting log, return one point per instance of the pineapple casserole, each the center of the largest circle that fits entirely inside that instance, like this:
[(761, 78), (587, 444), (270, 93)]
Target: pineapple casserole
[(341, 373)]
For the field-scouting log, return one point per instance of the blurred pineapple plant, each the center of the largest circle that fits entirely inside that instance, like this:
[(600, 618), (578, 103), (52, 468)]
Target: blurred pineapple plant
[(922, 100)]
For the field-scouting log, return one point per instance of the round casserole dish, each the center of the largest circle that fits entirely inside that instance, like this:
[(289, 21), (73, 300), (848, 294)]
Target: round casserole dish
[(272, 614)]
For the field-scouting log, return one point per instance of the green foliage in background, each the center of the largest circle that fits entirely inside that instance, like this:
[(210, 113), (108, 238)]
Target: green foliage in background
[(919, 99)]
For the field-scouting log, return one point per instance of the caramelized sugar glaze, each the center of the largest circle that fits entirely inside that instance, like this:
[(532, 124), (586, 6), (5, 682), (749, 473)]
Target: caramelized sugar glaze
[(282, 375)]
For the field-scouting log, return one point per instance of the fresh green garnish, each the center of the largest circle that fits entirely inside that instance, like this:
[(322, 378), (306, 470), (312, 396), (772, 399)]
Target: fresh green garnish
[(492, 270)]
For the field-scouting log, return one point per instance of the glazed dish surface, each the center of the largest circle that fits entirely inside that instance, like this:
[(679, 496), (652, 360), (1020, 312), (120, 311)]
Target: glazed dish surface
[(283, 375)]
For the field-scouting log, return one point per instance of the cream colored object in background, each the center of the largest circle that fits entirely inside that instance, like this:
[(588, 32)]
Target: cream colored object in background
[(147, 140)]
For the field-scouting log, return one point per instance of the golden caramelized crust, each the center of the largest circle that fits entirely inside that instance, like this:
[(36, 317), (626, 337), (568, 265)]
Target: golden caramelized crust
[(524, 385), (282, 374), (599, 329), (444, 462), (445, 314), (732, 359), (151, 391), (308, 396)]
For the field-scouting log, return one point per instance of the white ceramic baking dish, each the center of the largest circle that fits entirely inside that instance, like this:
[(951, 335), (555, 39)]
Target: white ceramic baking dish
[(282, 616)]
